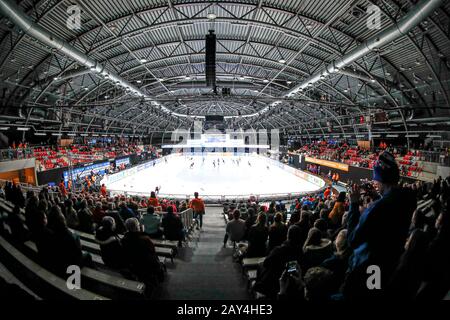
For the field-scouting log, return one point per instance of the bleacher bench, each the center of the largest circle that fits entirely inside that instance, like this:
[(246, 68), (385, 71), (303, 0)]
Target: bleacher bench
[(57, 284), (130, 287)]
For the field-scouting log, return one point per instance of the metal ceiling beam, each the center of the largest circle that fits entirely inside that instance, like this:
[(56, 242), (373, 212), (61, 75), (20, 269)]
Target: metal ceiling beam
[(408, 22)]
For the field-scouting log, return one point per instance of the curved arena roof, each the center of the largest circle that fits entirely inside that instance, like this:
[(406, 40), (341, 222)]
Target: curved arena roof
[(306, 67)]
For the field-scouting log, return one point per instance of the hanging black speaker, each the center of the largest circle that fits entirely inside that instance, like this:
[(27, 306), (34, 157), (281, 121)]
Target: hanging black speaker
[(210, 59)]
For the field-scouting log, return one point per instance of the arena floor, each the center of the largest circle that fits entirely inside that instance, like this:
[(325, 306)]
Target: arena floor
[(231, 178)]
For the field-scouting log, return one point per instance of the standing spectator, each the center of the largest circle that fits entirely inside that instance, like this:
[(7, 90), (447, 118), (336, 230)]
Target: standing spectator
[(103, 190), (377, 236), (153, 201), (338, 211), (62, 188), (198, 206)]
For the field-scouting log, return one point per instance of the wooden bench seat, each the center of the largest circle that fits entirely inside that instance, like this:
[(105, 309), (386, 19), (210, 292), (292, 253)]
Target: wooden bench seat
[(157, 242), (251, 263), (95, 248), (56, 283), (131, 287)]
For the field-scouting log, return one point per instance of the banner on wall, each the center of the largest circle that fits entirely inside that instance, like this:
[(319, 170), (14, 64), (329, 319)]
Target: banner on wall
[(124, 161), (329, 164), (85, 171)]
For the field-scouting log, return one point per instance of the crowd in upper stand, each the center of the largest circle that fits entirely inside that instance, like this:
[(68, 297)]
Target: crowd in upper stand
[(334, 239), (50, 157), (361, 157)]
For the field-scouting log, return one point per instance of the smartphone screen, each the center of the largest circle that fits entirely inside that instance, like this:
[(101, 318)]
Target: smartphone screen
[(291, 266)]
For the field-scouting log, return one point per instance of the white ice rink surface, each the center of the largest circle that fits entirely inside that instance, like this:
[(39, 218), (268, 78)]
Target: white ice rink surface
[(177, 179)]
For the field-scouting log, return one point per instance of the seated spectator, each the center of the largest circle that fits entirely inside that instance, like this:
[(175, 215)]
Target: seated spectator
[(110, 245), (322, 225), (85, 218), (318, 283), (140, 254), (277, 232), (316, 249), (295, 217), (250, 221), (125, 212), (437, 274), (111, 212), (71, 215), (98, 213), (15, 223), (257, 238), (268, 276), (235, 229), (152, 223), (410, 271), (66, 246), (172, 226), (338, 262)]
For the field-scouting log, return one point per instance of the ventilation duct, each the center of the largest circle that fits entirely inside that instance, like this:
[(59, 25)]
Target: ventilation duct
[(416, 15)]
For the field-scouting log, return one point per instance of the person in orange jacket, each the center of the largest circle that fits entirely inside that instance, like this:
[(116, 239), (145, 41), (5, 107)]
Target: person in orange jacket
[(62, 188), (198, 206), (153, 201), (103, 190)]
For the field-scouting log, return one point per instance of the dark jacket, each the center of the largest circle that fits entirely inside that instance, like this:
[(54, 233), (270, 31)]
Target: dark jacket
[(58, 250), (267, 281), (85, 221), (378, 237), (173, 227), (141, 256), (111, 248), (126, 213), (257, 238), (277, 235), (120, 225)]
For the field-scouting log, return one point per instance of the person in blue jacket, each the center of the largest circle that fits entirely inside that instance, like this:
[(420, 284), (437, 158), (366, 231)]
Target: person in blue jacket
[(378, 234)]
